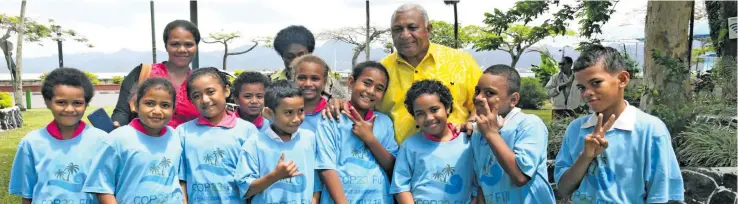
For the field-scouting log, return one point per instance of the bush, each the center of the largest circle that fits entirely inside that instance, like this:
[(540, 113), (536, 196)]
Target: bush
[(708, 144), (238, 72), (556, 131), (43, 76), (633, 94), (6, 100), (117, 79), (532, 93)]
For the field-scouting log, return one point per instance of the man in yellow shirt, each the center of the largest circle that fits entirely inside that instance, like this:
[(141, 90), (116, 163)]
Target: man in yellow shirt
[(417, 59)]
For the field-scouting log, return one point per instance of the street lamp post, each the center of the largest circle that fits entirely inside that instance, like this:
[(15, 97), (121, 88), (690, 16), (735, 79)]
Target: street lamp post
[(59, 45)]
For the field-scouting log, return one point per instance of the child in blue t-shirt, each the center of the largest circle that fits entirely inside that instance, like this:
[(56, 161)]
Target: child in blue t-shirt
[(278, 165), (509, 146), (311, 74), (629, 158), (212, 142), (357, 153), (433, 166), (52, 163), (139, 162), (248, 90)]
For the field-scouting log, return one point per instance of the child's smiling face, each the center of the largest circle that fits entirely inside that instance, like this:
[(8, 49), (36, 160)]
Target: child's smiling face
[(155, 108), (310, 77), (430, 114), (600, 88), (288, 115), (368, 89), (68, 105), (209, 96), (251, 99)]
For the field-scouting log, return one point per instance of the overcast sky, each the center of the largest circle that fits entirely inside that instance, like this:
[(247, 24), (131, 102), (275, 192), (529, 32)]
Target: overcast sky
[(112, 25)]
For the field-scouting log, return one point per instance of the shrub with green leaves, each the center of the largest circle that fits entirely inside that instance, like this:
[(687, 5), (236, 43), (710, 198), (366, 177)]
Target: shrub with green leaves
[(6, 100), (556, 131), (93, 77), (532, 93), (238, 72), (117, 79), (708, 144)]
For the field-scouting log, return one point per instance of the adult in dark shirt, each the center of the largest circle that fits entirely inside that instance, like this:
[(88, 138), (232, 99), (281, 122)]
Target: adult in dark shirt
[(181, 38)]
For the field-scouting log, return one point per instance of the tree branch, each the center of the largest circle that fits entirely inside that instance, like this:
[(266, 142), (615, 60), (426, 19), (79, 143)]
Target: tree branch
[(245, 51), (210, 42)]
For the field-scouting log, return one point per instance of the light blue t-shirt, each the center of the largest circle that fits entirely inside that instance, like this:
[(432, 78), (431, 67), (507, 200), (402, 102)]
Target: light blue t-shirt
[(48, 170), (362, 179), (527, 136), (209, 160), (312, 122), (260, 156), (638, 166), (434, 172), (138, 168)]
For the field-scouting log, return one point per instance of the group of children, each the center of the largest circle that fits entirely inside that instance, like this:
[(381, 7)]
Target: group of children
[(276, 148)]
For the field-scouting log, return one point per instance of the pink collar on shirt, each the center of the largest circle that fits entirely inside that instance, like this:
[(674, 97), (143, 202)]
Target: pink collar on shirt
[(321, 105), (369, 113), (136, 124), (229, 121), (258, 122), (53, 129), (435, 139)]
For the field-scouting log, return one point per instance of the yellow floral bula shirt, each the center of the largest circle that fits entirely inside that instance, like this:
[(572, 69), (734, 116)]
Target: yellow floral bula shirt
[(456, 69)]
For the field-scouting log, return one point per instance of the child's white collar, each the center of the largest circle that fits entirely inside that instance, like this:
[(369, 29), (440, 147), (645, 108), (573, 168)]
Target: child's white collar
[(626, 121), (273, 135)]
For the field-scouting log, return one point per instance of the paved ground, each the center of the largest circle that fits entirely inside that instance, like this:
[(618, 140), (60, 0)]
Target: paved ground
[(101, 99)]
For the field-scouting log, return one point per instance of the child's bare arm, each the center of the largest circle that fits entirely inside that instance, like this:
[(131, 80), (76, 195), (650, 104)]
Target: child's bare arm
[(480, 196), (364, 130), (405, 198), (573, 176), (106, 198), (333, 185), (283, 170), (26, 201), (316, 198), (183, 184), (384, 158)]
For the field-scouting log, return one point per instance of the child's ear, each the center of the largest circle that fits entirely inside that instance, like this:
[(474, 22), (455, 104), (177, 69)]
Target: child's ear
[(514, 99), (351, 82), (268, 113), (227, 91), (623, 79)]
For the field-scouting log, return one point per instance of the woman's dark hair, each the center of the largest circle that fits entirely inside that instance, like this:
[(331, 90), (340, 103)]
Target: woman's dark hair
[(207, 71), (429, 86), (359, 69), (70, 77), (294, 34), (277, 90), (249, 78), (189, 26), (156, 83)]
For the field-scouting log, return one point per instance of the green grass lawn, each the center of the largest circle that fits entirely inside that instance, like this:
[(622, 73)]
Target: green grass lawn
[(33, 119), (38, 118)]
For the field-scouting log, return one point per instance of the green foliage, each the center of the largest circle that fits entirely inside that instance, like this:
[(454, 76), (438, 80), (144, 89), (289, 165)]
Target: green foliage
[(708, 144), (556, 131), (547, 68), (117, 79), (631, 64), (532, 93), (443, 33), (43, 76), (93, 77), (238, 72), (633, 93), (34, 31), (6, 100)]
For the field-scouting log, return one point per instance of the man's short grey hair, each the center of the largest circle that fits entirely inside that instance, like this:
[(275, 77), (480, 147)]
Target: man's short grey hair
[(409, 7)]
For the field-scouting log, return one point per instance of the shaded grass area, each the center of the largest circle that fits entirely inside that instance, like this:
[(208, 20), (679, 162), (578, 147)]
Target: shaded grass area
[(33, 119)]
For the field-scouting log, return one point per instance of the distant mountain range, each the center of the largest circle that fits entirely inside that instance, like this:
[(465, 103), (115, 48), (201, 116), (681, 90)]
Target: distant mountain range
[(336, 54)]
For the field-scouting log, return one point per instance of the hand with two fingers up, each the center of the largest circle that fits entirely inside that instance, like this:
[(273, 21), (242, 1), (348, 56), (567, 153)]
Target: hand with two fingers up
[(595, 142), (362, 128), (488, 122)]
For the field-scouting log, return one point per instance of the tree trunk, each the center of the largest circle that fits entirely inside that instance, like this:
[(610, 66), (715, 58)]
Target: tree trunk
[(357, 51), (368, 40), (18, 94), (225, 56), (515, 59), (718, 13), (666, 32), (729, 45)]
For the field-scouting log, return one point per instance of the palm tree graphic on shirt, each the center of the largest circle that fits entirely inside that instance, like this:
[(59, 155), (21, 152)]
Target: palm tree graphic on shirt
[(59, 174), (160, 168), (442, 175), (212, 159), (71, 169)]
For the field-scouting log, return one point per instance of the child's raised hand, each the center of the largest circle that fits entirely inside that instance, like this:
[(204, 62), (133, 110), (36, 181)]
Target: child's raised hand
[(488, 122), (286, 169), (595, 142), (362, 129)]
